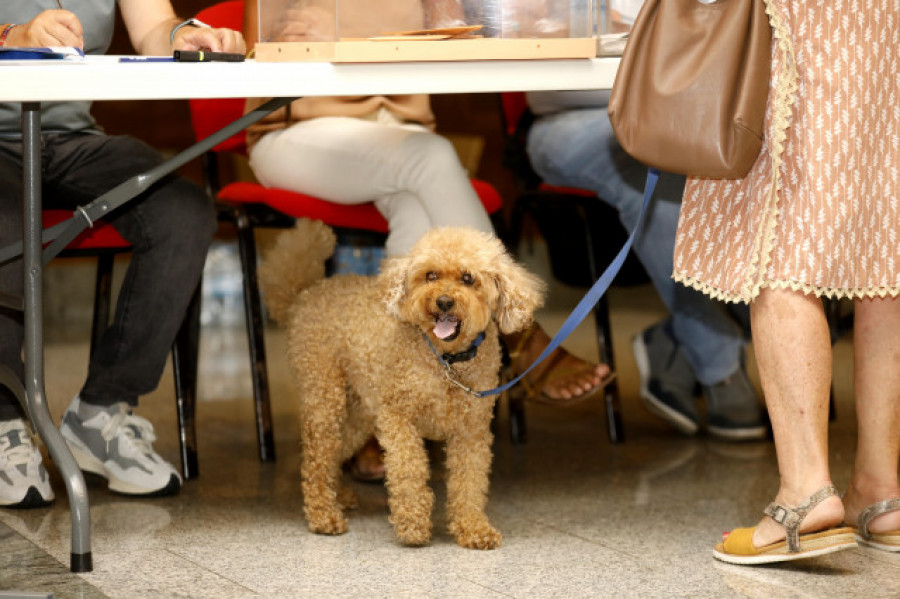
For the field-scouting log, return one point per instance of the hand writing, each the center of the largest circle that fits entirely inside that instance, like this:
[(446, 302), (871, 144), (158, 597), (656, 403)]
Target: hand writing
[(49, 28)]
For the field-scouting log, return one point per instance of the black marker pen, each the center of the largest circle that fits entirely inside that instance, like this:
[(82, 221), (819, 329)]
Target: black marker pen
[(202, 56)]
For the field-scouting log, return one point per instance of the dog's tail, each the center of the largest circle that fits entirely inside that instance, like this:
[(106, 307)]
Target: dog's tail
[(296, 261)]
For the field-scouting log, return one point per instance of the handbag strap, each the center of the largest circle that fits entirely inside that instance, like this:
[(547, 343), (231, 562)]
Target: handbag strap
[(593, 295)]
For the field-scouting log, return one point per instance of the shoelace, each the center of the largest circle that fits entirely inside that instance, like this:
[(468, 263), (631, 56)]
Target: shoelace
[(20, 454), (138, 429)]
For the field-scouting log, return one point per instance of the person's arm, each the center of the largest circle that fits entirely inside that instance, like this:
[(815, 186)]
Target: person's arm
[(150, 23), (49, 28)]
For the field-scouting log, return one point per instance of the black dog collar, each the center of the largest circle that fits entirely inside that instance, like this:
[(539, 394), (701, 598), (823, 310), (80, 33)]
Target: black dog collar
[(448, 358), (464, 355)]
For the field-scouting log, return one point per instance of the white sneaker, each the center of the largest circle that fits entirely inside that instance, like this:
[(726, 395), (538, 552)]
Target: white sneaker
[(23, 479), (115, 444)]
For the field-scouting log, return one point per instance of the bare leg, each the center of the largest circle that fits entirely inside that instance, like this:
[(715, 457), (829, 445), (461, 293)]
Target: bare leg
[(793, 353), (876, 346)]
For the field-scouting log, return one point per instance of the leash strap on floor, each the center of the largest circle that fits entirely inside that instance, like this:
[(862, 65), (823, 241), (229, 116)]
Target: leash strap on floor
[(593, 295)]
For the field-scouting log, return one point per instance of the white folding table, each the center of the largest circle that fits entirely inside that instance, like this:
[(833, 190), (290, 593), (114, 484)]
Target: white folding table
[(105, 78)]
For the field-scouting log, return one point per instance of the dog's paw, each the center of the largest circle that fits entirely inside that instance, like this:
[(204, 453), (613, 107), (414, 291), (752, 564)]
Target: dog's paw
[(327, 522), (483, 536), (411, 533)]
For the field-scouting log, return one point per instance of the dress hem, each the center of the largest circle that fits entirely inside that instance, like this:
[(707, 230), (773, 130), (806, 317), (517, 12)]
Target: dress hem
[(806, 289)]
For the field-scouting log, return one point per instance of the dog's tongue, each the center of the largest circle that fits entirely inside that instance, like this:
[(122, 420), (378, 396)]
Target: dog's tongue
[(445, 326)]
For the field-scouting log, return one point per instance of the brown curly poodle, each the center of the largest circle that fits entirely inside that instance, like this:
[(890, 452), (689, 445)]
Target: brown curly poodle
[(390, 355)]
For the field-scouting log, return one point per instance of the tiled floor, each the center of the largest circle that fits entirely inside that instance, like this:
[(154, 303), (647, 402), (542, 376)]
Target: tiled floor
[(580, 517)]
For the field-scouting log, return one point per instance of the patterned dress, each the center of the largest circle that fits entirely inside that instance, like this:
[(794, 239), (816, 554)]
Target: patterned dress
[(820, 210)]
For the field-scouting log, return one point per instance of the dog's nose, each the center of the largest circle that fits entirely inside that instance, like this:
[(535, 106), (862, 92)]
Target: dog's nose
[(445, 302)]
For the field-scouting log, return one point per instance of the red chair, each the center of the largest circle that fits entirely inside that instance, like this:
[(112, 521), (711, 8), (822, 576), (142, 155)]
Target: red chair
[(249, 205), (103, 242), (583, 235)]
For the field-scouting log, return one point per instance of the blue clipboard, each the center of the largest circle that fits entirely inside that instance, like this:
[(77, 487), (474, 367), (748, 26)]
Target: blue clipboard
[(56, 53)]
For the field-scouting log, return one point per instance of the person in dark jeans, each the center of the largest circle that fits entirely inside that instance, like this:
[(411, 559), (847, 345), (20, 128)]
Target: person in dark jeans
[(701, 344), (169, 227)]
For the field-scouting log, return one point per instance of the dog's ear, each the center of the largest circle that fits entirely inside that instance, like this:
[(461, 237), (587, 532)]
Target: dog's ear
[(521, 293), (392, 280)]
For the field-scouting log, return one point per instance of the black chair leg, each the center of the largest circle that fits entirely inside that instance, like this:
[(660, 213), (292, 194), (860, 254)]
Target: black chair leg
[(611, 398), (184, 365), (102, 298), (512, 398), (612, 402), (255, 336), (518, 432)]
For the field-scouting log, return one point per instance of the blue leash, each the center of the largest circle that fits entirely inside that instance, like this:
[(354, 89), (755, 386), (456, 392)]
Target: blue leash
[(593, 295)]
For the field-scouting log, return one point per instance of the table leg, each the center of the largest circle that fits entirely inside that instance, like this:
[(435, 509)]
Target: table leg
[(36, 404)]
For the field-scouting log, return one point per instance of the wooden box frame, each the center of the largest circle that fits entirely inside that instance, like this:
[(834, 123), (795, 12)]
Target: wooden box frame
[(427, 50)]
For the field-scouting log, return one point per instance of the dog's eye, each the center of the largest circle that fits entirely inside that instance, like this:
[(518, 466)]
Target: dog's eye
[(467, 279), (431, 276)]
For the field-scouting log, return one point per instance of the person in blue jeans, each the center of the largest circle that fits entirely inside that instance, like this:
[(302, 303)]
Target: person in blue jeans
[(701, 343)]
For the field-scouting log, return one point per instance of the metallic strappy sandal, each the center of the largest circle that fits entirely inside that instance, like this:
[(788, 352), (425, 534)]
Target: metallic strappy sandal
[(737, 548), (886, 541)]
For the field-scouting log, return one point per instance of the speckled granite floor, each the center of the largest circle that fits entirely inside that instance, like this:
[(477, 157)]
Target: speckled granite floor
[(580, 517)]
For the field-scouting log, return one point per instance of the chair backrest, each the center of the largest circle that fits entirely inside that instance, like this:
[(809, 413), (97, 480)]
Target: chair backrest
[(514, 106), (210, 115), (517, 119)]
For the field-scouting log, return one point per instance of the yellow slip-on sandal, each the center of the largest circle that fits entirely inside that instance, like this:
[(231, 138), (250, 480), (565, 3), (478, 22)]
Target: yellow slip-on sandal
[(738, 548)]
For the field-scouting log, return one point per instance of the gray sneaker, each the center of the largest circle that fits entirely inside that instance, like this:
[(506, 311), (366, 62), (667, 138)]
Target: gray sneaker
[(733, 411), (23, 479), (668, 386), (115, 444)]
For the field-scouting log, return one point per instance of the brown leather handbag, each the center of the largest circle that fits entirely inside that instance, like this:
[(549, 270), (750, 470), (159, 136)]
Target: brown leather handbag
[(690, 93)]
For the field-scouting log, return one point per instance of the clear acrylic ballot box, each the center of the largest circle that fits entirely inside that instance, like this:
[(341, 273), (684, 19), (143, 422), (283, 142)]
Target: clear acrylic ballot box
[(421, 30)]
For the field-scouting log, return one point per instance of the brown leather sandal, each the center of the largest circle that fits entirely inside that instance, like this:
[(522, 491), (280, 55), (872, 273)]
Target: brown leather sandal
[(550, 373)]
